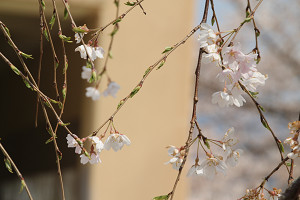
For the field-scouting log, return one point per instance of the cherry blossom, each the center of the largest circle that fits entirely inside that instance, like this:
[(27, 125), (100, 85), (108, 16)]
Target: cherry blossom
[(211, 166), (73, 143), (93, 52), (176, 162), (84, 159), (97, 143), (195, 170), (229, 139), (83, 50), (116, 141), (233, 157), (86, 73), (112, 89), (93, 93), (206, 36)]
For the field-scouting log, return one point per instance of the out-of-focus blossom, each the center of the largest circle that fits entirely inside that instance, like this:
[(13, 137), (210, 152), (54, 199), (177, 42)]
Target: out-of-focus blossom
[(93, 93)]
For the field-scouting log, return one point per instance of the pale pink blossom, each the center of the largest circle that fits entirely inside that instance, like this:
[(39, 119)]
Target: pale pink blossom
[(116, 141), (112, 89), (211, 166), (73, 143), (93, 93), (86, 73)]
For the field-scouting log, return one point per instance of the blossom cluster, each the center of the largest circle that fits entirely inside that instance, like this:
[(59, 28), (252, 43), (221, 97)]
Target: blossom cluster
[(213, 163), (293, 141), (257, 194), (92, 51), (237, 68), (115, 141)]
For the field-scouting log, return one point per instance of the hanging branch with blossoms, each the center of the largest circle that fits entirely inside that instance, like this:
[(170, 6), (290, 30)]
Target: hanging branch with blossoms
[(238, 72)]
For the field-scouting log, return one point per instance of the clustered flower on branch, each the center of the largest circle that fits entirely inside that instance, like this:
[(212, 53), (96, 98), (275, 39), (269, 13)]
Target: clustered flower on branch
[(213, 163), (115, 140), (294, 140), (237, 68), (91, 52)]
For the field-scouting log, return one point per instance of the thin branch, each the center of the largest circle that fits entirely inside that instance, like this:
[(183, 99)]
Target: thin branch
[(194, 114), (16, 170)]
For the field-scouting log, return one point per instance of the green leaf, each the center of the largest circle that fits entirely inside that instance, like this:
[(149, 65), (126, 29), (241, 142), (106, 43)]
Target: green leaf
[(167, 49), (248, 19), (15, 69), (117, 21), (135, 90), (206, 142), (128, 3), (66, 67), (43, 4), (288, 164), (280, 146), (147, 72), (46, 35), (64, 92), (247, 13), (264, 123), (27, 84), (66, 14), (52, 20), (161, 64), (65, 38), (50, 140), (23, 184), (80, 30), (56, 102), (110, 55), (93, 77), (63, 124), (120, 103), (213, 20), (8, 165), (163, 197), (26, 55), (262, 109), (254, 94), (114, 32), (257, 33), (7, 31)]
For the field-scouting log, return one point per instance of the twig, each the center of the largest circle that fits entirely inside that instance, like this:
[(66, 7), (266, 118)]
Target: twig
[(194, 114), (16, 170)]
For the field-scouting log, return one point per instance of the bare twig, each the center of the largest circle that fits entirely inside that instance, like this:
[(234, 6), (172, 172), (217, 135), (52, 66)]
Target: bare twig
[(16, 170)]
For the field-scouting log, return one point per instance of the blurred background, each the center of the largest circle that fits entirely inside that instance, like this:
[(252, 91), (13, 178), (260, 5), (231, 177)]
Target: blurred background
[(159, 114)]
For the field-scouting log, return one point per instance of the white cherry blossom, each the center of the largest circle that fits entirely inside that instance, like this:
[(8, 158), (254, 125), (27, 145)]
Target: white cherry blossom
[(84, 159), (73, 143), (195, 170), (229, 139), (93, 93), (98, 144), (83, 50), (116, 141), (233, 157), (211, 166), (94, 158), (112, 89), (93, 52), (86, 73), (206, 36), (176, 162)]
